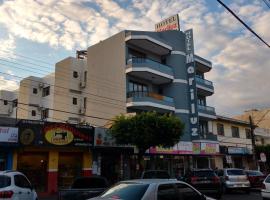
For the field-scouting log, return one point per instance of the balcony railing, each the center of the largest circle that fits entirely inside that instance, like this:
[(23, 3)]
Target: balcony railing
[(151, 95), (203, 81), (151, 63), (206, 108)]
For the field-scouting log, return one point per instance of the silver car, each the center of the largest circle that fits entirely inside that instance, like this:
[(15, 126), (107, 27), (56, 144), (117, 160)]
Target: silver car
[(233, 178), (152, 189)]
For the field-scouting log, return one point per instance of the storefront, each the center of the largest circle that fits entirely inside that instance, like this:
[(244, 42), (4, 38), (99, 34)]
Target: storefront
[(52, 155), (8, 141)]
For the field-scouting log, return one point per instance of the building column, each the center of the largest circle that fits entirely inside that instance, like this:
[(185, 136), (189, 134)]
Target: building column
[(53, 172), (87, 164), (14, 160)]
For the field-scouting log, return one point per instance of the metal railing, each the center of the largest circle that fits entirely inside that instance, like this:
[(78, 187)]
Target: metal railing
[(155, 64), (151, 95), (206, 108), (203, 81)]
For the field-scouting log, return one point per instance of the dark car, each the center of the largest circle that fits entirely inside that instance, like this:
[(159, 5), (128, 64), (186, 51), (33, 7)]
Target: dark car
[(255, 178), (155, 174), (206, 181), (84, 188)]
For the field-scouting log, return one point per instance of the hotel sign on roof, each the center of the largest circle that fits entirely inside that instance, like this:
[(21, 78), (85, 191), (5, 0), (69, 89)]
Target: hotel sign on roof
[(171, 23)]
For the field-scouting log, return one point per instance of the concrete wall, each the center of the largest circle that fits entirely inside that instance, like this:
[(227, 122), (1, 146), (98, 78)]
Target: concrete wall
[(107, 79)]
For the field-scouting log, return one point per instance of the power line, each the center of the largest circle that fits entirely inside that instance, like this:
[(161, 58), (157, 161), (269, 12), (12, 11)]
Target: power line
[(243, 23), (267, 3)]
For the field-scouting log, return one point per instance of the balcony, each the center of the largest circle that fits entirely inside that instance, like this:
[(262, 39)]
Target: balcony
[(151, 70), (209, 136), (204, 87), (206, 112), (202, 64), (149, 101), (148, 43)]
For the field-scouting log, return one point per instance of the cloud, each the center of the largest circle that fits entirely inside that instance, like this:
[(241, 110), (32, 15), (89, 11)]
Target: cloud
[(7, 46), (8, 84)]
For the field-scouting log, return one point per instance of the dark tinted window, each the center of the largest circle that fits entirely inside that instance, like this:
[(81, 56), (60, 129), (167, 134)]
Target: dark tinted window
[(89, 183), (235, 132), (126, 191), (187, 193), (21, 181), (235, 172), (220, 129), (254, 173), (267, 180), (204, 173), (5, 181), (167, 192), (35, 91)]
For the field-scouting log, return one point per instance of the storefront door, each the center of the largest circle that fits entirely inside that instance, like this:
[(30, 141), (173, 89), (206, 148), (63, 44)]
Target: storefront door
[(2, 161), (34, 166)]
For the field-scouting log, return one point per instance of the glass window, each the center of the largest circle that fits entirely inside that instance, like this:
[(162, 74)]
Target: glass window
[(5, 181), (5, 102), (33, 113), (75, 74), (267, 180), (187, 193), (21, 181), (15, 102), (254, 173), (167, 192), (74, 101), (84, 102), (45, 113), (35, 91), (46, 91), (220, 129), (127, 191), (248, 133), (235, 132), (203, 127)]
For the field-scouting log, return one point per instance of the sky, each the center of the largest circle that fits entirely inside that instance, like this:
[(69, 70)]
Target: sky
[(34, 35)]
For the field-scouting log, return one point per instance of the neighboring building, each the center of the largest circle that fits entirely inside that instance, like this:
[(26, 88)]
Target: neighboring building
[(234, 138), (8, 103), (262, 136)]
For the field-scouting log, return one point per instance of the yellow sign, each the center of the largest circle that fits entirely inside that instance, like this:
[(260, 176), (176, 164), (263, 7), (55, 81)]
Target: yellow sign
[(59, 136)]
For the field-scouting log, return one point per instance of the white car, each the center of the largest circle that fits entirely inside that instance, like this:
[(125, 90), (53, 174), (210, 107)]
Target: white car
[(152, 189), (265, 192), (15, 186)]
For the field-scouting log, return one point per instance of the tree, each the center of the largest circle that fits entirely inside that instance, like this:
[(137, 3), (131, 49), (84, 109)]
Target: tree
[(147, 129)]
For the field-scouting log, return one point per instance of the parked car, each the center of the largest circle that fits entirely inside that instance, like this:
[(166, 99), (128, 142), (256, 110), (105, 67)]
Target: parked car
[(14, 185), (155, 174), (84, 188), (265, 191), (234, 179), (255, 178), (206, 181), (152, 189)]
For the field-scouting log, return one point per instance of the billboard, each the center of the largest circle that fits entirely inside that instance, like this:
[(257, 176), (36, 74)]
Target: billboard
[(8, 134), (171, 23)]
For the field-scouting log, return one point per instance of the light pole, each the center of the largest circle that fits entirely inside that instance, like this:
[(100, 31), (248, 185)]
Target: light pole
[(252, 128)]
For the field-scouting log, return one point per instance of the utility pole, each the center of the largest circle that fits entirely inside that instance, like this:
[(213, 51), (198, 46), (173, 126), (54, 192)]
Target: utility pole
[(252, 128)]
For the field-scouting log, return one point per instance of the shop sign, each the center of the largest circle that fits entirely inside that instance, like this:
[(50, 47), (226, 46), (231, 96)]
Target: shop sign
[(209, 148), (59, 136), (8, 134), (236, 150), (190, 67), (171, 23), (263, 157), (182, 147), (196, 148), (229, 159)]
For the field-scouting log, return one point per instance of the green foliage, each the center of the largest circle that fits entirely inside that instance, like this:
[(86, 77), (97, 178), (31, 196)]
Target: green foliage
[(147, 129), (265, 149)]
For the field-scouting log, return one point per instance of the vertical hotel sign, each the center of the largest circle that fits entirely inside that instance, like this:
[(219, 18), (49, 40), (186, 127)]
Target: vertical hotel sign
[(171, 23), (190, 66)]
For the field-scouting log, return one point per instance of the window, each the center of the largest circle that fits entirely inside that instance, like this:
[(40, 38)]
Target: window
[(5, 181), (235, 132), (15, 103), (45, 113), (85, 76), (33, 113), (21, 181), (74, 101), (35, 91), (46, 91), (84, 102), (137, 89), (203, 127), (5, 102), (75, 74), (248, 133), (187, 193), (167, 192), (220, 129)]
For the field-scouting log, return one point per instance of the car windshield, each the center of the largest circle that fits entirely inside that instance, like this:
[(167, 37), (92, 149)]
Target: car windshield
[(204, 173), (235, 172), (126, 191), (254, 173), (156, 174), (5, 181)]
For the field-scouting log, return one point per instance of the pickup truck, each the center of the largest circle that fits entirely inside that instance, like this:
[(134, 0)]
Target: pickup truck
[(84, 188)]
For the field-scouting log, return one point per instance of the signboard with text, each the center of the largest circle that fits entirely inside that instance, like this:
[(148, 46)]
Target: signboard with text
[(8, 134), (171, 23), (191, 72)]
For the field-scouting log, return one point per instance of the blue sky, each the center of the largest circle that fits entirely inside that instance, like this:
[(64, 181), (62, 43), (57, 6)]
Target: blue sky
[(48, 31)]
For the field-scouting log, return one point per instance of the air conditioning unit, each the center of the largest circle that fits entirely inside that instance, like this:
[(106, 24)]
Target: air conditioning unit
[(82, 110), (82, 84), (41, 85)]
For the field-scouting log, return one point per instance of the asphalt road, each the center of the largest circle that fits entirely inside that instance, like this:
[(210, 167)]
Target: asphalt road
[(242, 196)]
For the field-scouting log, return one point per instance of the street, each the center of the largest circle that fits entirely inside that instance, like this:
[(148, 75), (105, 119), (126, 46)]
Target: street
[(242, 196)]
